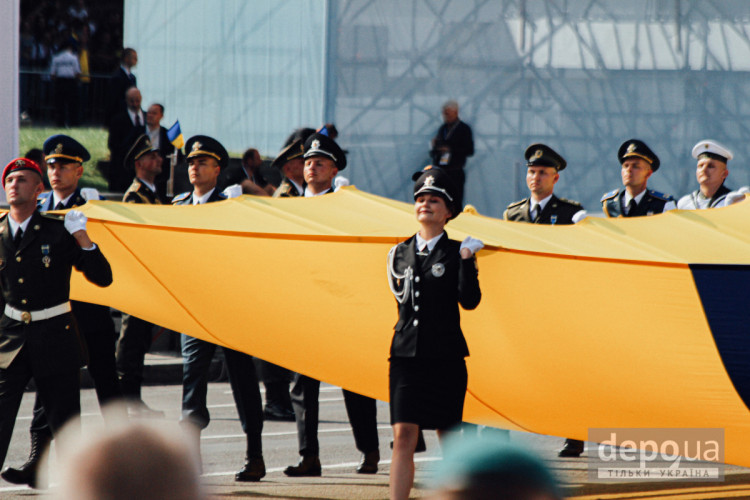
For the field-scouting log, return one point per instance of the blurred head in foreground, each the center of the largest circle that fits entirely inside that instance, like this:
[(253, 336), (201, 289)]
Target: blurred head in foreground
[(484, 469), (129, 461)]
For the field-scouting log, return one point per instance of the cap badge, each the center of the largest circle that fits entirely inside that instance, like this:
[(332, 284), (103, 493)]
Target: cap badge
[(438, 270), (20, 163), (429, 181), (59, 149), (197, 145), (706, 146), (631, 147), (315, 144), (148, 143), (538, 153)]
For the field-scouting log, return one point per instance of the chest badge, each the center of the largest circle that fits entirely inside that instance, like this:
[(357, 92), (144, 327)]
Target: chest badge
[(438, 270), (45, 255)]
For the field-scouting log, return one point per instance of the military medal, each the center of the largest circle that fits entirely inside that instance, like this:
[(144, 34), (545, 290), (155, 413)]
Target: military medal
[(45, 253), (553, 219), (438, 270)]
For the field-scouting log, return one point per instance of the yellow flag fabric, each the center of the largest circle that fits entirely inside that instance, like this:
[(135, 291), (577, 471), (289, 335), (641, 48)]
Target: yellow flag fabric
[(609, 323)]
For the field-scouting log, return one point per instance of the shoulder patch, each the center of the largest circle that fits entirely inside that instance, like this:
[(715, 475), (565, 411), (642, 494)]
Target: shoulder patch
[(660, 195), (570, 202), (610, 195), (517, 203), (47, 215), (180, 197)]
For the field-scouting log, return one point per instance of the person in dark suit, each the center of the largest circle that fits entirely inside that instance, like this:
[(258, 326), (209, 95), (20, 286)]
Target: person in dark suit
[(158, 137), (248, 175), (122, 79), (452, 144), (430, 275), (64, 157), (323, 160), (638, 163), (206, 158), (38, 337), (543, 166), (123, 130)]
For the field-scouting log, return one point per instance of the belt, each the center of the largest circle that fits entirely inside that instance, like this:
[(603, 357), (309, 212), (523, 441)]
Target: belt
[(29, 316)]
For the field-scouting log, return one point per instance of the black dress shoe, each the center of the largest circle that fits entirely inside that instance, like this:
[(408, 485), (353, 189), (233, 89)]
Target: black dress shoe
[(368, 464), (254, 469), (572, 449), (307, 467), (278, 414)]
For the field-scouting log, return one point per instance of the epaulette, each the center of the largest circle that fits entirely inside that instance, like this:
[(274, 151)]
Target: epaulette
[(180, 197), (610, 195), (50, 216), (516, 203), (661, 196), (570, 202)]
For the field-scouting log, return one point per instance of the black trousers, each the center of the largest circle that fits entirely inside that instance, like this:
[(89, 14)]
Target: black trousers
[(132, 346), (277, 380), (362, 412), (59, 394), (196, 361), (98, 332)]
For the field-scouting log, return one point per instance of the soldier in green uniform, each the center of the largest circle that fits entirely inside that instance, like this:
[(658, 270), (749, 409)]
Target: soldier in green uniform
[(146, 160), (291, 164), (543, 166)]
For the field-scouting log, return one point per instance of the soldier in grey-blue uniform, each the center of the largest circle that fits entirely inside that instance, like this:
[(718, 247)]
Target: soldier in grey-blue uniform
[(638, 163), (206, 158)]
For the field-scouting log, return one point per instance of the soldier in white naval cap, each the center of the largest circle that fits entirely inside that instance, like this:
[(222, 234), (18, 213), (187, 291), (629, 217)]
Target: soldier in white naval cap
[(711, 173)]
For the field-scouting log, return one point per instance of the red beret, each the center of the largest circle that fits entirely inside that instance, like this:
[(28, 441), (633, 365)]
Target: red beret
[(21, 164)]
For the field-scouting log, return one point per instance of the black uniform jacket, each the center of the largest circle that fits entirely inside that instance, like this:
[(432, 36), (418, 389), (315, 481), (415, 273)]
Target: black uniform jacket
[(187, 198), (37, 276), (556, 211), (653, 202), (430, 326), (138, 192), (89, 317)]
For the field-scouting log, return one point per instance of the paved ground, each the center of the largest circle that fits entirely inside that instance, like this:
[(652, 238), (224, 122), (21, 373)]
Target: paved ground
[(222, 447)]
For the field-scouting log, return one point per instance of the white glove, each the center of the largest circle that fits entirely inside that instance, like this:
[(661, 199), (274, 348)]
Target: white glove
[(232, 191), (736, 196), (472, 244), (579, 216), (89, 194), (75, 221), (340, 182)]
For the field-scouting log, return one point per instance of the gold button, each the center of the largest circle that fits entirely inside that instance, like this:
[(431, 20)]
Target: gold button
[(18, 259), (24, 301), (20, 280), (67, 327)]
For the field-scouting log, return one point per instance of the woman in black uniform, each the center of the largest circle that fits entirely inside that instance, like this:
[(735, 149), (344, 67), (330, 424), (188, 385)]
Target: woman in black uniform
[(429, 275)]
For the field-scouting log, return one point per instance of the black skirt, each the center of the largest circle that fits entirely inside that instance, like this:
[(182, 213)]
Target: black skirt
[(427, 392)]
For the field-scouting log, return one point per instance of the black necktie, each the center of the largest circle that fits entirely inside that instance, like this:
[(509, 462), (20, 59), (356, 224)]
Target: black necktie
[(538, 213), (60, 206), (18, 237), (631, 207), (137, 119)]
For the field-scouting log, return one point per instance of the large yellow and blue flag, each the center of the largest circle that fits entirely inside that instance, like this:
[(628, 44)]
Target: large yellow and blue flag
[(174, 134)]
